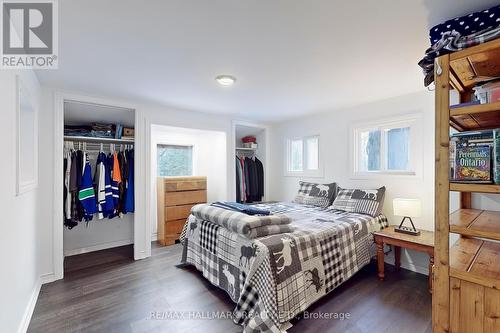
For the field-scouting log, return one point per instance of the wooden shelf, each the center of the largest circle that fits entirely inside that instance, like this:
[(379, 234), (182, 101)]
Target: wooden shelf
[(96, 139), (475, 109), (476, 223), (476, 261), (476, 117), (480, 188), (475, 65)]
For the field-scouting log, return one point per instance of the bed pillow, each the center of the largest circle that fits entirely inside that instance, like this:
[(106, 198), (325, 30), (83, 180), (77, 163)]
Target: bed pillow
[(368, 202), (320, 195)]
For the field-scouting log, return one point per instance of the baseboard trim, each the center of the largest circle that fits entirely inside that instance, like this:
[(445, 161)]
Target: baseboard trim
[(28, 312), (98, 247), (154, 236), (47, 278)]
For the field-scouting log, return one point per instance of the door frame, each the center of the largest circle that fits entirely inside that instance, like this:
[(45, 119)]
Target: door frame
[(267, 154), (142, 233)]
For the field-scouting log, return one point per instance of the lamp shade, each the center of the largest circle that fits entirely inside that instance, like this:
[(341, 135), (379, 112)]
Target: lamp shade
[(407, 207)]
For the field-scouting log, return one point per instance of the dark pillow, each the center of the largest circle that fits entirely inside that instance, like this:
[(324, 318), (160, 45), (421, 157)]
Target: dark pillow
[(321, 195), (368, 202)]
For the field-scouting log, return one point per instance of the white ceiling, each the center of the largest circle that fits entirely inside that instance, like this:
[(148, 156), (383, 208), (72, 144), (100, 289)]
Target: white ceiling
[(290, 57)]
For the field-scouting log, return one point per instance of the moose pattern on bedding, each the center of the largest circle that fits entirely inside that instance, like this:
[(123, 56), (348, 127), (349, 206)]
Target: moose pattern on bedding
[(272, 279), (321, 195), (360, 201)]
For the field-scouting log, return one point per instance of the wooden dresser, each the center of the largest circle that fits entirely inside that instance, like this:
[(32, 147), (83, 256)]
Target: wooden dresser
[(176, 196)]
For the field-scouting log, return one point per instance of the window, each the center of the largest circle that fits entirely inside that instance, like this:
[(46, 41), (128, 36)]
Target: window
[(175, 160), (303, 156), (387, 147)]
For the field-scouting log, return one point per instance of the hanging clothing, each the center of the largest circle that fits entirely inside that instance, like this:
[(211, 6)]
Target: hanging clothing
[(238, 179), (122, 184), (75, 181), (70, 190), (115, 182), (252, 180), (86, 193), (109, 193), (249, 179), (67, 192), (129, 206), (105, 204), (260, 179), (243, 180)]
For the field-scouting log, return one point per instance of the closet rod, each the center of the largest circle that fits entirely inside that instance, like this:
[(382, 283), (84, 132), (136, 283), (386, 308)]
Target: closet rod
[(96, 140)]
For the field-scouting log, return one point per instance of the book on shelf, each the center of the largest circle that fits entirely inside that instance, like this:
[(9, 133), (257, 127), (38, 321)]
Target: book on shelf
[(473, 157), (473, 164)]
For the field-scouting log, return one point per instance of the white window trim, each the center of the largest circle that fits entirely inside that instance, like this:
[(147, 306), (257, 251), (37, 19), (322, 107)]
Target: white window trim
[(318, 173), (195, 154), (414, 121)]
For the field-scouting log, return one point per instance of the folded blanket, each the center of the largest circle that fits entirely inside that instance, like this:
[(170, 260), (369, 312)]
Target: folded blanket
[(238, 207), (246, 225)]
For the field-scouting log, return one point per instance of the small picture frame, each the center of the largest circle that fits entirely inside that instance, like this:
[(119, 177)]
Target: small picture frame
[(26, 139)]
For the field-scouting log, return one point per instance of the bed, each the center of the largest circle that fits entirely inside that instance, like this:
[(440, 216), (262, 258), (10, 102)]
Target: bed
[(274, 278)]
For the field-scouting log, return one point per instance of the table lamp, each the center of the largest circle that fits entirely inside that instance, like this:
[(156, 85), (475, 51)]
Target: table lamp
[(407, 208)]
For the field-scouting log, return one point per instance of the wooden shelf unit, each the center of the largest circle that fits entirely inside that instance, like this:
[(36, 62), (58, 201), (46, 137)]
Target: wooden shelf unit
[(466, 295)]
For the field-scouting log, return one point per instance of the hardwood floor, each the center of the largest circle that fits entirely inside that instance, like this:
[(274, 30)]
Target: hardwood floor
[(107, 291)]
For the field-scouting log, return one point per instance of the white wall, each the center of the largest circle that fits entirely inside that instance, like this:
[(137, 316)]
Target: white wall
[(334, 130), (20, 224), (210, 156)]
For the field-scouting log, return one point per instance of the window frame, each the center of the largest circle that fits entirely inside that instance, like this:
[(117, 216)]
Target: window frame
[(413, 121), (305, 172), (193, 157)]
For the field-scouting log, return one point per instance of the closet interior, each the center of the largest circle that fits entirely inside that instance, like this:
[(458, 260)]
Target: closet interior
[(250, 162), (98, 176)]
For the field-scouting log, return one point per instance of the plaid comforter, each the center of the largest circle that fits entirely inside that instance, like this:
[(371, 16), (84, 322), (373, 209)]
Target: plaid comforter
[(274, 278)]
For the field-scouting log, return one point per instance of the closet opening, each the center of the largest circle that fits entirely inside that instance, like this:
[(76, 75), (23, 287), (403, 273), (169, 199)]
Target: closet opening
[(99, 177), (188, 166), (250, 142)]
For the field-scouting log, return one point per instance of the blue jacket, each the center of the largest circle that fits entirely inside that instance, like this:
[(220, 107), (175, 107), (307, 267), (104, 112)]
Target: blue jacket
[(86, 193), (129, 206)]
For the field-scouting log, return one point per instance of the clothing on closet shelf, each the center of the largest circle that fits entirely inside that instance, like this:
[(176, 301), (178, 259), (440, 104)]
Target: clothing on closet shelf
[(249, 179), (106, 194)]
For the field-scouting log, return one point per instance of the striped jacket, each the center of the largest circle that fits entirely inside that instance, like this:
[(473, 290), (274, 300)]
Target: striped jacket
[(86, 193)]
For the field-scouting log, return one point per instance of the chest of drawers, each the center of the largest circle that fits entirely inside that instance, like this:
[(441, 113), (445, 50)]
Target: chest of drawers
[(176, 196)]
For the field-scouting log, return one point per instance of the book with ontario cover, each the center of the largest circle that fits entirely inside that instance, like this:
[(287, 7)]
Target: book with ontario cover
[(473, 164)]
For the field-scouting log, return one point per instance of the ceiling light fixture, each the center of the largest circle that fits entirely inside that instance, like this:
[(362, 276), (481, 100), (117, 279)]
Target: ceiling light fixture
[(225, 80)]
